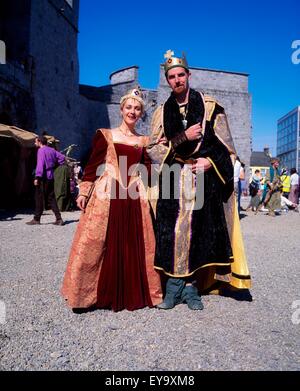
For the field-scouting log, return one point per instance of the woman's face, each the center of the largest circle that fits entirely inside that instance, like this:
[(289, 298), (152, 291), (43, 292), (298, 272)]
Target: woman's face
[(131, 111)]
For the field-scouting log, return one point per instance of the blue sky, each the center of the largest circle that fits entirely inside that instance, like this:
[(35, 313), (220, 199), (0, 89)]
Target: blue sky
[(252, 37)]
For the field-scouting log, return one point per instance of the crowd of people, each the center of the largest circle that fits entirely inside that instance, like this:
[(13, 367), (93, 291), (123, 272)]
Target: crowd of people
[(275, 193)]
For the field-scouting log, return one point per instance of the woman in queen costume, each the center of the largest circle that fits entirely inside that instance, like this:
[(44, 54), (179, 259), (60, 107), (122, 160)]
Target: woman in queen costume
[(111, 260)]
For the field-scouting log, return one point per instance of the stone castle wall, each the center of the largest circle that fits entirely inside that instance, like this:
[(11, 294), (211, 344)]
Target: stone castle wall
[(53, 46), (44, 94), (230, 89)]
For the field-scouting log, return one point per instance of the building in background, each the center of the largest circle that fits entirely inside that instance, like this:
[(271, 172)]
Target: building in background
[(230, 89), (260, 160), (288, 129), (40, 90)]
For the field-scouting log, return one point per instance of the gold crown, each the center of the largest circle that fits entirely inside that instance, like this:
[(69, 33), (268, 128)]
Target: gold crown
[(172, 62), (135, 93)]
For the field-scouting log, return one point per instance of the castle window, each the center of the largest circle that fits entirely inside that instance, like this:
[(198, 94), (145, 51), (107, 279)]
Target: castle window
[(70, 2)]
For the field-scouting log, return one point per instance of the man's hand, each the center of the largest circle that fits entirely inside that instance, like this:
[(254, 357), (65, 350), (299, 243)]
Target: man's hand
[(194, 132), (162, 140), (81, 200), (36, 182), (202, 164)]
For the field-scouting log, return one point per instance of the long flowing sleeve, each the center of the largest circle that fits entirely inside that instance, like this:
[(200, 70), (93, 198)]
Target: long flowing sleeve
[(99, 148), (146, 161), (219, 157), (156, 151), (220, 149)]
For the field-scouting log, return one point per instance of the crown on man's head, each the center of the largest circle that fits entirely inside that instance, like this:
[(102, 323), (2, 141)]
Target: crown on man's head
[(172, 62)]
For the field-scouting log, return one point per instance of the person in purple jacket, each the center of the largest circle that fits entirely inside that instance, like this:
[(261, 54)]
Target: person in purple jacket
[(47, 159)]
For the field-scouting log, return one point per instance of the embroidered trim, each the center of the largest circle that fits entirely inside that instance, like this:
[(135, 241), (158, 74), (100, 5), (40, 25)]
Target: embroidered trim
[(217, 171), (190, 274)]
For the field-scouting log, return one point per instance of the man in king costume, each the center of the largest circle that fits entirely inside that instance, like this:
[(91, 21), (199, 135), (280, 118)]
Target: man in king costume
[(198, 249)]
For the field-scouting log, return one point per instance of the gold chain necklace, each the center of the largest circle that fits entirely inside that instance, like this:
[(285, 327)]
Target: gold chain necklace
[(125, 134)]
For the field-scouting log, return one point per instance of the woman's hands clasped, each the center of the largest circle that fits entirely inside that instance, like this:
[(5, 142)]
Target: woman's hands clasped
[(81, 202)]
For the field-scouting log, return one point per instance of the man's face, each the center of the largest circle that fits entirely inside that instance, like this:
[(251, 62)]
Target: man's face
[(37, 143), (276, 164), (178, 79)]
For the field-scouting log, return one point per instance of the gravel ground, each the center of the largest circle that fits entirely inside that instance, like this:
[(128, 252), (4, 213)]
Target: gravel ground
[(39, 332)]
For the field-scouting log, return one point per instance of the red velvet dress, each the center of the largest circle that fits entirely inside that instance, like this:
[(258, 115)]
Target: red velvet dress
[(123, 280)]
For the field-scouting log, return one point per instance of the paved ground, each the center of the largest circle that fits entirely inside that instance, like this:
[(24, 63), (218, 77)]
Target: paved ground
[(38, 331)]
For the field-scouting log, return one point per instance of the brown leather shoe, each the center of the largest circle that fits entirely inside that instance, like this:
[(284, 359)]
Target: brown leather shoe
[(58, 222), (33, 222)]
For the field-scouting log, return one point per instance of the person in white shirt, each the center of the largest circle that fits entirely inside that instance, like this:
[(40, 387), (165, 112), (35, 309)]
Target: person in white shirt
[(286, 204), (294, 193)]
